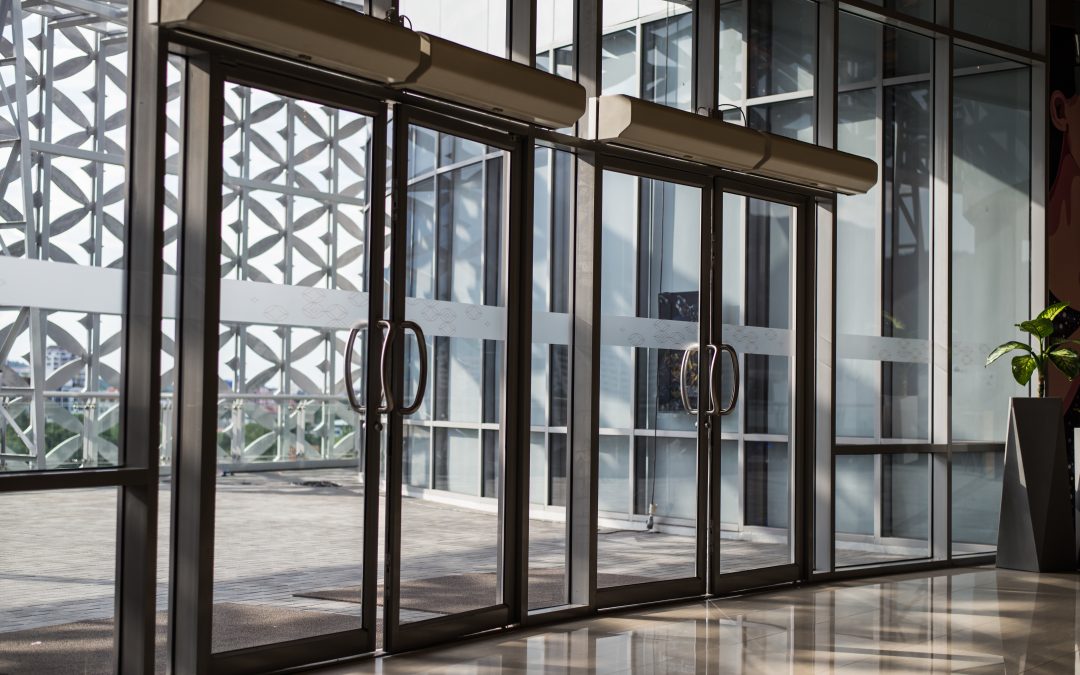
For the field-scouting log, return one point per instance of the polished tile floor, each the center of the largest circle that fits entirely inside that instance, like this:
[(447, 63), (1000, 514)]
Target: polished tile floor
[(968, 620)]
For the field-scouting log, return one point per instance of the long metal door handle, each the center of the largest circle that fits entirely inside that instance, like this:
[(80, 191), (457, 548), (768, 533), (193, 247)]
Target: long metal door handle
[(421, 387), (736, 379), (384, 363), (714, 393), (350, 389), (350, 344), (684, 368)]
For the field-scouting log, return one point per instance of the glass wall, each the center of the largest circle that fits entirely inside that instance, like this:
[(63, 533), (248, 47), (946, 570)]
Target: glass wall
[(883, 288), (991, 252), (991, 257), (296, 201), (56, 609)]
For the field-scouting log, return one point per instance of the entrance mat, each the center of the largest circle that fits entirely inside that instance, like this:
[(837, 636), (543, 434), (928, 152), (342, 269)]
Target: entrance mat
[(456, 593), (86, 646)]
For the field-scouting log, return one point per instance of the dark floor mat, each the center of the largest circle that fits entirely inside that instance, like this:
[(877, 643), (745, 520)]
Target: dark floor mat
[(85, 647), (457, 593)]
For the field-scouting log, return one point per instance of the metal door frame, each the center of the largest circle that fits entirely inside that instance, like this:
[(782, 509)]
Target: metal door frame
[(515, 284), (802, 378), (199, 282), (663, 589)]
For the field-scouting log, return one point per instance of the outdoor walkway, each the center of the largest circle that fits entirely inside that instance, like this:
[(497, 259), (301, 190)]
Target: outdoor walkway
[(282, 537)]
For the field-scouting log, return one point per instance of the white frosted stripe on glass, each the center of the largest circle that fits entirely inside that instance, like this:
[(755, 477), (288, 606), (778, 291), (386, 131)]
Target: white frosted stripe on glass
[(891, 350)]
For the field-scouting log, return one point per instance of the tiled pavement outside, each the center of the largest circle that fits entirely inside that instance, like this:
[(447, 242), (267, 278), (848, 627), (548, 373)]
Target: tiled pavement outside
[(277, 537)]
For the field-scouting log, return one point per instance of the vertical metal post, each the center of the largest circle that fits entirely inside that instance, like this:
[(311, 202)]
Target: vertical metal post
[(372, 421), (1040, 187), (941, 288), (584, 403), (515, 401), (140, 394), (824, 386), (706, 55), (823, 240), (523, 31), (192, 553), (395, 433)]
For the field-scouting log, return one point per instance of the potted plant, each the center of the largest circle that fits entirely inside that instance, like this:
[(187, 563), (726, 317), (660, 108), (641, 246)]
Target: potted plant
[(1035, 527)]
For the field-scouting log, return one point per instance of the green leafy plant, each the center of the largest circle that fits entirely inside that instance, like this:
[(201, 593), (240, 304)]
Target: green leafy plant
[(1049, 350)]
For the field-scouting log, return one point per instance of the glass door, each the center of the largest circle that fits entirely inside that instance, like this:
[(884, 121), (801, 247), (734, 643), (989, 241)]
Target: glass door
[(299, 383), (755, 478), (448, 546), (654, 405)]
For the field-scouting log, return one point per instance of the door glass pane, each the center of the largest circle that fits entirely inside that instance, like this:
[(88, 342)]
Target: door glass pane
[(553, 216), (454, 246), (294, 280), (756, 463), (650, 285)]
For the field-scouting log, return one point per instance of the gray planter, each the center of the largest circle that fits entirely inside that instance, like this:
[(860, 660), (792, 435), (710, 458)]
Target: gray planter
[(1035, 532)]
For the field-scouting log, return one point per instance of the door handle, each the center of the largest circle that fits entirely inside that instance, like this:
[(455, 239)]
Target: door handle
[(421, 387), (714, 378), (684, 368), (350, 390)]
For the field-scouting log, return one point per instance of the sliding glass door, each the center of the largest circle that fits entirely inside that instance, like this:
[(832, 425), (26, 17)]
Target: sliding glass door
[(374, 372), (447, 515), (654, 406), (758, 448)]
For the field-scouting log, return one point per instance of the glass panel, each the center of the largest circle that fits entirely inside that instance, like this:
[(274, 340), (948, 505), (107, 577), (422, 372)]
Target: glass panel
[(480, 24), (976, 501), (650, 279), (553, 214), (356, 5), (293, 266), (991, 247), (793, 119), (661, 68), (57, 574), (883, 241), (783, 36), (882, 508), (555, 37), (61, 234), (732, 48), (922, 9), (756, 462), (1007, 21), (455, 229)]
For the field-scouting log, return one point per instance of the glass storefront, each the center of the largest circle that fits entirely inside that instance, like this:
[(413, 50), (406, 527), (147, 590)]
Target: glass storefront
[(365, 265)]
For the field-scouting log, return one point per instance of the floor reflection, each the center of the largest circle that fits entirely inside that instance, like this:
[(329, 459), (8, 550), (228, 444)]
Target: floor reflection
[(975, 620)]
